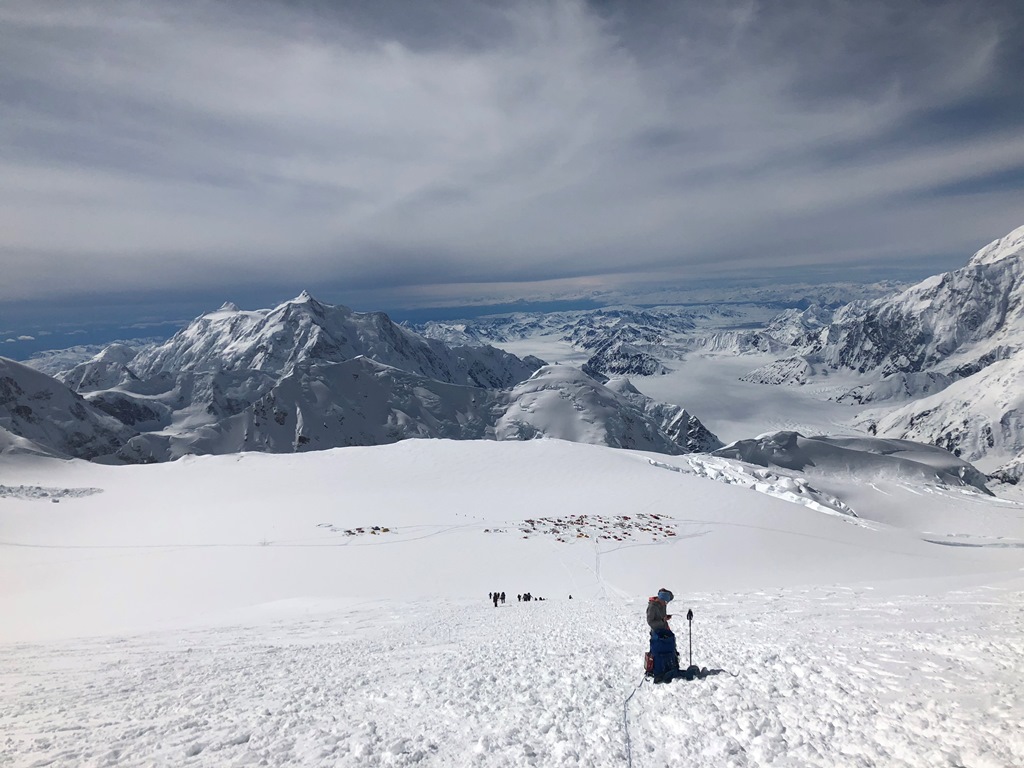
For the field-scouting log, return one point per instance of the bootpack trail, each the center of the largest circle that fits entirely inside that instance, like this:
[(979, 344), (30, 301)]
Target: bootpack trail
[(827, 676)]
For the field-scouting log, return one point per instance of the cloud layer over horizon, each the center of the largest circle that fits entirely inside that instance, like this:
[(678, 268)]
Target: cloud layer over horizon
[(449, 150)]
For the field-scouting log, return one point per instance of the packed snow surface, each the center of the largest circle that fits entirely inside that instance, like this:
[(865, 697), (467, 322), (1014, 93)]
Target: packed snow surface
[(331, 609)]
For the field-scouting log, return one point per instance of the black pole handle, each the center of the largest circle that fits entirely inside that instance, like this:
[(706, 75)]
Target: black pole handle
[(689, 618)]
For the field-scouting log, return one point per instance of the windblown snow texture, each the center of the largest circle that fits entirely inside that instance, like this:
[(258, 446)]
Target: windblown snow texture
[(330, 608)]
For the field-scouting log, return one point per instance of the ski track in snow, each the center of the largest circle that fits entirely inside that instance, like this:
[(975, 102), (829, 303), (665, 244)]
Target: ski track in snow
[(826, 677)]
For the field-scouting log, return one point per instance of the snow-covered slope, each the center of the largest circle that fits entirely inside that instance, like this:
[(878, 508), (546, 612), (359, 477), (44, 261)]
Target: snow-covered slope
[(561, 401), (56, 361), (12, 444), (363, 402), (356, 402), (40, 409), (738, 342), (982, 415), (219, 533), (331, 608), (793, 324), (621, 358), (106, 370), (586, 329), (682, 428), (897, 387)]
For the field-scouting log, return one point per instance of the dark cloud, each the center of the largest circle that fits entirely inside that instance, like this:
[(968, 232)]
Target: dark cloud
[(408, 152)]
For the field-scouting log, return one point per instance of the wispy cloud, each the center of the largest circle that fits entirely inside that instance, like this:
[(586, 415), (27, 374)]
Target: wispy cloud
[(464, 147)]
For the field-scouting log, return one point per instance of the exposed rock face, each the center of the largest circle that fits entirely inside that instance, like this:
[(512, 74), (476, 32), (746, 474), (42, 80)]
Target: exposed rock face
[(949, 320), (682, 428), (790, 370), (40, 409), (790, 326), (621, 358)]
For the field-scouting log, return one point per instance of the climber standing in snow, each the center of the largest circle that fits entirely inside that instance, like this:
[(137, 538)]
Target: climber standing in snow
[(657, 611), (663, 660)]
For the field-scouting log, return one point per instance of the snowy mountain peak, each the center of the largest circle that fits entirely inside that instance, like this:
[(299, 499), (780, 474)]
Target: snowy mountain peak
[(305, 306), (1011, 246), (228, 306), (118, 354), (317, 306)]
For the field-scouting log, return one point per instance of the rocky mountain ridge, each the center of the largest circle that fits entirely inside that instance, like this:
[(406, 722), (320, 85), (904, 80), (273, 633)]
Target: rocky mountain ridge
[(38, 414), (943, 360), (959, 321), (307, 375)]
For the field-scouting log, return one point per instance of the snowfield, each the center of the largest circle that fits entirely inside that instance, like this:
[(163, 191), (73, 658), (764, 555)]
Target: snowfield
[(826, 677), (330, 609)]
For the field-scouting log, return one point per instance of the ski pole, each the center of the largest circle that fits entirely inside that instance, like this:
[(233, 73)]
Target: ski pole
[(689, 619)]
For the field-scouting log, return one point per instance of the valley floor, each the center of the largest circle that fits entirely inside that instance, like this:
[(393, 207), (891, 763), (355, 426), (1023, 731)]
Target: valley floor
[(823, 677)]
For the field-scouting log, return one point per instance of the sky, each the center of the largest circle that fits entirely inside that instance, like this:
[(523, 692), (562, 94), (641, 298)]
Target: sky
[(157, 159)]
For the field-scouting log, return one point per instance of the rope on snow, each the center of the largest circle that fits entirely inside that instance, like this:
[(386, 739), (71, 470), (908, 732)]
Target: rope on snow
[(625, 722)]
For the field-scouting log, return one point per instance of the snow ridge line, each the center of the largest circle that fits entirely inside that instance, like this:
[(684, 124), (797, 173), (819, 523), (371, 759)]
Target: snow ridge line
[(795, 490)]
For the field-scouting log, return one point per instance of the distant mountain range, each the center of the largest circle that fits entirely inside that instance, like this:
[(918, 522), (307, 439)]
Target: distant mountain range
[(307, 376), (623, 341), (939, 362)]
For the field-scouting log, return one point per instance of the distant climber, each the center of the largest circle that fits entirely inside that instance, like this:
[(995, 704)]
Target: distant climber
[(502, 598), (494, 597)]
